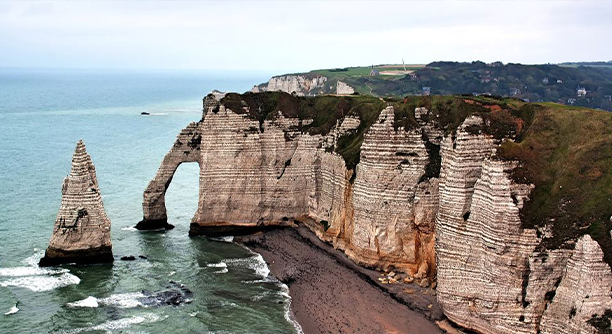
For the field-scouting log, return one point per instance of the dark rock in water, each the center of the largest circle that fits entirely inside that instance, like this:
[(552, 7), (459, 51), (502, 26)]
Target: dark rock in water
[(154, 224), (128, 258), (176, 294), (145, 113), (142, 257)]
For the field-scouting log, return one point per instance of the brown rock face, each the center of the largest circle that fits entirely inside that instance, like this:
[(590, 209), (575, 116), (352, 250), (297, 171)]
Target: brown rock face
[(82, 229)]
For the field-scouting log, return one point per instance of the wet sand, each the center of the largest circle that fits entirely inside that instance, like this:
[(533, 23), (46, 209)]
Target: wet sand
[(330, 294)]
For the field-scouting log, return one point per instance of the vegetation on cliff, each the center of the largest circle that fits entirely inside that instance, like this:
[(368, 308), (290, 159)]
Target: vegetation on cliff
[(323, 112), (567, 153)]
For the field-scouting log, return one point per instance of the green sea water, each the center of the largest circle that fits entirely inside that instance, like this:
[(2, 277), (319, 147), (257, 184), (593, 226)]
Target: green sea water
[(43, 113)]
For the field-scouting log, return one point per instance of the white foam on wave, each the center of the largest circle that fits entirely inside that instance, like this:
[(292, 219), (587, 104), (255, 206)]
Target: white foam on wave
[(42, 282), (124, 300), (288, 314), (30, 271), (228, 238), (120, 300), (124, 323), (255, 263), (217, 265), (87, 302), (13, 310), (32, 261), (222, 271), (36, 278), (129, 228)]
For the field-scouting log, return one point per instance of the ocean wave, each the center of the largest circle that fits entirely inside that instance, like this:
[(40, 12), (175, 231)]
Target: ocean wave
[(42, 283), (129, 228), (120, 300), (228, 239), (288, 314), (87, 302), (123, 300), (32, 261), (30, 271), (217, 265), (255, 263), (36, 278), (13, 310), (124, 323), (222, 271)]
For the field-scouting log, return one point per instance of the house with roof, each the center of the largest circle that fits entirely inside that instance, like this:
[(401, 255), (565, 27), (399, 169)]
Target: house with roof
[(373, 72)]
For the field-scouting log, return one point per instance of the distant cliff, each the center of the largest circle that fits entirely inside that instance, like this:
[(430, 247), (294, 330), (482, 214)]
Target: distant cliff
[(308, 84), (505, 204), (569, 84)]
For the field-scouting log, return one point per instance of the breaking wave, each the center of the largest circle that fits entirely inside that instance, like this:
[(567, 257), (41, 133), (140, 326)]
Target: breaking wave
[(37, 279), (114, 325), (13, 310), (120, 300)]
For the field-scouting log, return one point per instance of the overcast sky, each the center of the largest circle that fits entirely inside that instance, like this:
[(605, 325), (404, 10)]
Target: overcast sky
[(298, 35)]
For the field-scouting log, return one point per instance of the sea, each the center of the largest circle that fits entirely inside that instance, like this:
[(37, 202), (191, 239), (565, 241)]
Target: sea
[(43, 113)]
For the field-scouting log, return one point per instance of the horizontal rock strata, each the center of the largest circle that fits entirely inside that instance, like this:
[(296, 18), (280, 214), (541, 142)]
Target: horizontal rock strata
[(428, 195), (82, 230)]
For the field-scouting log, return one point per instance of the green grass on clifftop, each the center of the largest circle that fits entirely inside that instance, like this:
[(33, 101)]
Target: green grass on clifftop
[(567, 154)]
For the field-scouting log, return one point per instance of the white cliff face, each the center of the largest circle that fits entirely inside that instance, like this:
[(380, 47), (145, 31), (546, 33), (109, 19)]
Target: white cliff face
[(458, 222), (388, 175), (82, 230), (344, 89), (304, 85), (492, 277), (584, 291), (254, 174), (300, 84)]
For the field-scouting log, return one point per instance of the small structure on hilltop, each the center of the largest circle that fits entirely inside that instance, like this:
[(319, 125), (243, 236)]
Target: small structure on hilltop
[(82, 229), (373, 72)]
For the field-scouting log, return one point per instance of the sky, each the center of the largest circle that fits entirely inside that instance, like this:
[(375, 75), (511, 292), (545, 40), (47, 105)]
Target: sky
[(293, 36)]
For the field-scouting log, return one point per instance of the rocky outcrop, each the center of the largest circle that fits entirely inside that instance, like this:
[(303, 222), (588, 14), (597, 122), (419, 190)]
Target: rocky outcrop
[(582, 302), (344, 88), (306, 84), (82, 230)]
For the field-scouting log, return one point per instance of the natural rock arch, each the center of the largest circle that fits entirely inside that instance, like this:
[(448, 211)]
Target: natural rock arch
[(186, 149)]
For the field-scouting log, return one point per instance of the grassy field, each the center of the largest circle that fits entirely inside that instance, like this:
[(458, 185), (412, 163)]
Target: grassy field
[(364, 70)]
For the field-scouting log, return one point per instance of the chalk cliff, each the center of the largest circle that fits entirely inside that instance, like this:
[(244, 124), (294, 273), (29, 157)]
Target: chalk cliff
[(306, 84), (443, 188), (82, 230)]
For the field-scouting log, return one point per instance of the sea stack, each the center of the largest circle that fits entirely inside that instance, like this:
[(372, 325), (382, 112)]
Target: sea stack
[(82, 229)]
